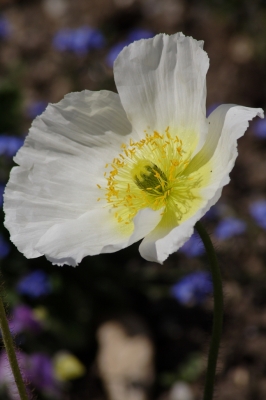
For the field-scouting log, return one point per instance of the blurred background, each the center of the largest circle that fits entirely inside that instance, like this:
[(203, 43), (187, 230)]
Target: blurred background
[(118, 327)]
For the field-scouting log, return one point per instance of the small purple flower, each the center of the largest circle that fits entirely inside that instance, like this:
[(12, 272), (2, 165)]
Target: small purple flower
[(79, 41), (9, 145), (135, 34), (193, 288), (4, 247), (259, 128), (35, 284), (36, 108), (229, 227), (23, 319), (258, 212), (5, 27), (37, 370), (41, 373), (6, 377), (193, 247)]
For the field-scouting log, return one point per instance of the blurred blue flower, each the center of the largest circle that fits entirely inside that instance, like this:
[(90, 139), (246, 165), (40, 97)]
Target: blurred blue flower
[(193, 247), (35, 284), (193, 288), (4, 247), (259, 128), (114, 51), (211, 108), (9, 145), (2, 189), (5, 27), (258, 212), (135, 34), (212, 214), (23, 319), (229, 227), (35, 108), (86, 39), (62, 39), (139, 33), (79, 41)]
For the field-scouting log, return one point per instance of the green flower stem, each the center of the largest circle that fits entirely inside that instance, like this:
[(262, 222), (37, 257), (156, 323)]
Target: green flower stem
[(217, 312), (9, 345)]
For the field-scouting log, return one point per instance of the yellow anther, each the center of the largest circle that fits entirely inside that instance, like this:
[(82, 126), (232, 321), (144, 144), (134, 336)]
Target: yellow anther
[(148, 174)]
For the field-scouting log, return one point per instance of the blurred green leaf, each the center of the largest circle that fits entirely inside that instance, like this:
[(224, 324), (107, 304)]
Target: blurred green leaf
[(10, 106)]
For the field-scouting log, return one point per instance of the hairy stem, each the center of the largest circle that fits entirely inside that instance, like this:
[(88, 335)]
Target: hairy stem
[(10, 349), (217, 312)]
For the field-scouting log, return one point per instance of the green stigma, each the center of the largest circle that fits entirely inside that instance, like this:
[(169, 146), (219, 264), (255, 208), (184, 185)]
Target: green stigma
[(149, 177)]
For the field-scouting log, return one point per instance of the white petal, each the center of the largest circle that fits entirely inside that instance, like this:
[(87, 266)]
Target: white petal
[(236, 121), (162, 82), (160, 243), (80, 121), (68, 242), (144, 223), (61, 163), (227, 124)]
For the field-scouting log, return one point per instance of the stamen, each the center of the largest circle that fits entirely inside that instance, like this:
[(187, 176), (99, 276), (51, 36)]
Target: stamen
[(150, 174)]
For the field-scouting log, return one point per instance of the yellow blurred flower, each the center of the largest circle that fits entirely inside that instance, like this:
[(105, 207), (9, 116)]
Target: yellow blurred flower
[(67, 366)]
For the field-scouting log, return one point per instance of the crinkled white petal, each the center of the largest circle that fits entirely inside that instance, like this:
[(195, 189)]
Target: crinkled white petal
[(162, 82), (60, 165), (70, 241), (227, 124)]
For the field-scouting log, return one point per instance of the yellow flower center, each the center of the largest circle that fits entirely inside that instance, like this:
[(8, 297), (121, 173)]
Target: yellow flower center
[(151, 173), (149, 177)]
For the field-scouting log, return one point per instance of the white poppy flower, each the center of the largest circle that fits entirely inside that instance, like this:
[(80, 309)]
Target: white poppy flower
[(100, 171)]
